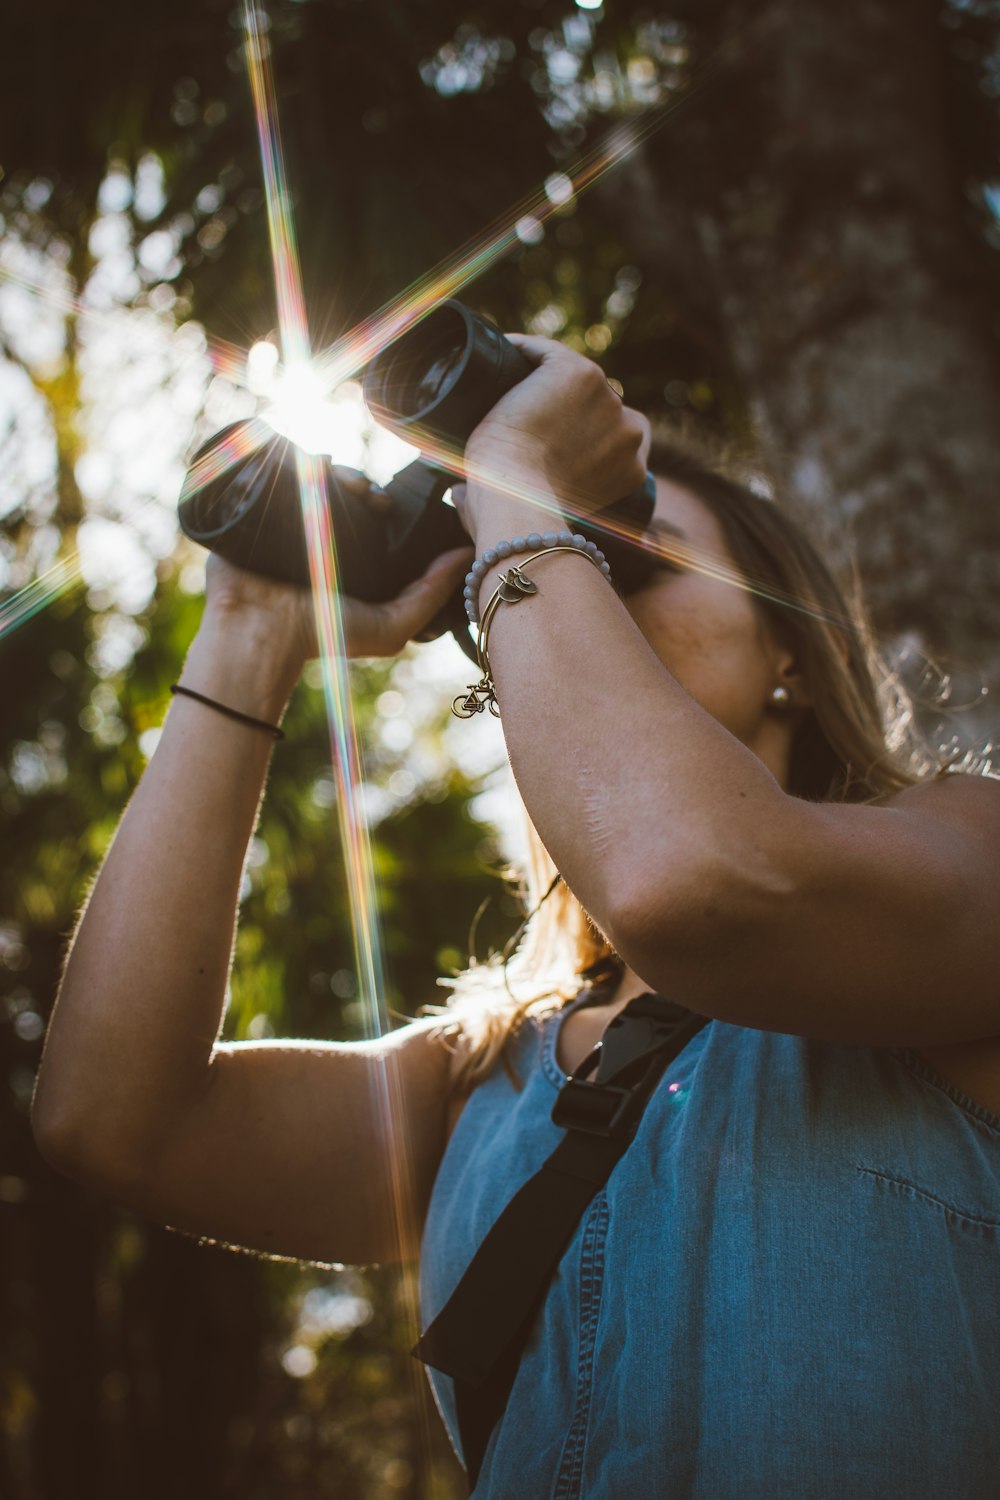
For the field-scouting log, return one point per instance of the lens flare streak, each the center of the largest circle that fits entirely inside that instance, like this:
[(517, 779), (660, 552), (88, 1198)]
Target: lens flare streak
[(319, 537), (356, 348), (672, 551), (18, 608), (228, 360), (346, 760), (229, 450), (63, 301), (350, 353)]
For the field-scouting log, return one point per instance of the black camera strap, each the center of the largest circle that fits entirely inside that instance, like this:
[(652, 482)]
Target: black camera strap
[(480, 1334)]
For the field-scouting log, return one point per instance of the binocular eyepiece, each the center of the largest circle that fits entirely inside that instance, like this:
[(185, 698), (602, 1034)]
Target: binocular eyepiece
[(432, 386)]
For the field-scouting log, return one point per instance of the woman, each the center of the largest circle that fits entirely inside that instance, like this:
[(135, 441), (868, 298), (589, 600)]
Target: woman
[(789, 1285)]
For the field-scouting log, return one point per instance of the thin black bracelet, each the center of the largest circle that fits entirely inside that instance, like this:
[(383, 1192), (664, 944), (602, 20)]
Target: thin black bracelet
[(233, 713)]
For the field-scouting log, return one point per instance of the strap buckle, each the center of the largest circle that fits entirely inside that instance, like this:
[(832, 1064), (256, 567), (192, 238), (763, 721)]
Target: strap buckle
[(596, 1109), (626, 1068)]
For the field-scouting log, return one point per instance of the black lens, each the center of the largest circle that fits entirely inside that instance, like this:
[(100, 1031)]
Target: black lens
[(420, 370), (217, 506), (434, 383), (221, 501), (418, 373)]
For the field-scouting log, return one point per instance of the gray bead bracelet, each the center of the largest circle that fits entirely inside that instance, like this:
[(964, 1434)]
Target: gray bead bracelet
[(529, 543)]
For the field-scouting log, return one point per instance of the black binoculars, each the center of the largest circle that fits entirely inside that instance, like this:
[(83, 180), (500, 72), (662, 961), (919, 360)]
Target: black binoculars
[(440, 378)]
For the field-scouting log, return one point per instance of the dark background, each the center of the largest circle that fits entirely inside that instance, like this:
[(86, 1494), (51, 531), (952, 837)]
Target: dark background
[(801, 256)]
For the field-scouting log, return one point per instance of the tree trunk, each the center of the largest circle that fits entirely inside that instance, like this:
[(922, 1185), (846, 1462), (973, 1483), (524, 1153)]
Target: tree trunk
[(814, 164)]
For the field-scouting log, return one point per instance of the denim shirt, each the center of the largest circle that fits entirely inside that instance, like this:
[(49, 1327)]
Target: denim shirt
[(790, 1286)]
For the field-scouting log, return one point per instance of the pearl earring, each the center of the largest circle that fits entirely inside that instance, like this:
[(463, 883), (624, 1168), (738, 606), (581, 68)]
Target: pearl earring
[(780, 696)]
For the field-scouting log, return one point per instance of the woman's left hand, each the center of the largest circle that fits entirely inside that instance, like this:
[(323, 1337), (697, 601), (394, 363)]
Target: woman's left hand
[(563, 431)]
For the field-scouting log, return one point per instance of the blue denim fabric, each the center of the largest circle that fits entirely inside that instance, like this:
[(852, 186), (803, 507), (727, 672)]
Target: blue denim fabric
[(788, 1290)]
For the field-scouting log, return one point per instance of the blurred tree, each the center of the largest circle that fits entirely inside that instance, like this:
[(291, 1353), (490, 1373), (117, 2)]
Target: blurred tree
[(117, 1334), (802, 254), (808, 240), (831, 187)]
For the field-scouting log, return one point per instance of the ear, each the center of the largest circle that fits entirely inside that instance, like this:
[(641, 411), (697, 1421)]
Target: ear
[(786, 667), (787, 673)]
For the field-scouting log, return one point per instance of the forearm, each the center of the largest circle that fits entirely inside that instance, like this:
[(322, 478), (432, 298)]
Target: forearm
[(143, 993), (632, 786)]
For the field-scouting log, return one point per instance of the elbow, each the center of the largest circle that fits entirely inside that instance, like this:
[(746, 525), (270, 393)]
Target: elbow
[(685, 929), (55, 1135), (64, 1150), (79, 1148), (62, 1139)]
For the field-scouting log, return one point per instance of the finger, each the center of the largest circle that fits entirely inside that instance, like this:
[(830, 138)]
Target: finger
[(358, 484), (646, 442), (421, 599), (442, 570), (351, 479), (459, 492), (378, 499), (540, 350)]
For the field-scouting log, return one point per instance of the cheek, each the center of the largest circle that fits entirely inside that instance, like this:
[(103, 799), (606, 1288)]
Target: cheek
[(712, 649), (687, 646), (690, 628), (682, 645)]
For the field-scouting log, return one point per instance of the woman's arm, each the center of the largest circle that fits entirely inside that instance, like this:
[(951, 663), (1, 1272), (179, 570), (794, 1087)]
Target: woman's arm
[(855, 923), (279, 1147)]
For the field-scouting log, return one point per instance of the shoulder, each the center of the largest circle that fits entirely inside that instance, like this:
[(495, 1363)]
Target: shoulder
[(947, 829), (962, 800)]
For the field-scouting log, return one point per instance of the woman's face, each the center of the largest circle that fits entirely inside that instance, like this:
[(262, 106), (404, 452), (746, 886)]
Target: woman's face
[(711, 636)]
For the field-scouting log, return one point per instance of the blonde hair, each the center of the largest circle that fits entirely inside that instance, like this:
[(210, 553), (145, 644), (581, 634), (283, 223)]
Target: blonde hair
[(857, 743)]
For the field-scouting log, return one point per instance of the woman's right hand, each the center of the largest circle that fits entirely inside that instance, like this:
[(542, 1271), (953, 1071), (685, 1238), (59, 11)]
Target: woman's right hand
[(564, 425), (233, 593)]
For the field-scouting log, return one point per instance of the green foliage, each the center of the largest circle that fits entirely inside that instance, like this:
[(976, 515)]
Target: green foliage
[(134, 1361), (352, 1424), (407, 131)]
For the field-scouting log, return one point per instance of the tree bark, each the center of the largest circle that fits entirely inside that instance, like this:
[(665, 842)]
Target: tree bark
[(814, 163)]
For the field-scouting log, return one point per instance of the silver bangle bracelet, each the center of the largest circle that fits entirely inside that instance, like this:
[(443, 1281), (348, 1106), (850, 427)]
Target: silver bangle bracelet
[(534, 541), (514, 585)]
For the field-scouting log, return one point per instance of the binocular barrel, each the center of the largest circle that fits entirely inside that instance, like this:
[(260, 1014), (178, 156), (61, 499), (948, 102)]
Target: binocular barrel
[(443, 375), (433, 386)]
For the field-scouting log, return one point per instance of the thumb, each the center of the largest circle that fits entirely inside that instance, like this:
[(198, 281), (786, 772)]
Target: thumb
[(539, 350), (421, 599), (446, 565)]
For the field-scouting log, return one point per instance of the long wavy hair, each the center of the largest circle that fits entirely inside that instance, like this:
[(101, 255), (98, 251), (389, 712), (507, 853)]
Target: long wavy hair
[(856, 743)]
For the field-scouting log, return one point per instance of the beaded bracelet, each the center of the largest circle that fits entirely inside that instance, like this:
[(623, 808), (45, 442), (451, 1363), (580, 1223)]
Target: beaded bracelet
[(514, 585), (529, 543)]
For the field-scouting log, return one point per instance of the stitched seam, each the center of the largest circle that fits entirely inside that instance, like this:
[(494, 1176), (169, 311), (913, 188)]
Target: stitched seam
[(923, 1070), (902, 1184), (570, 1475), (550, 1068), (591, 1279)]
